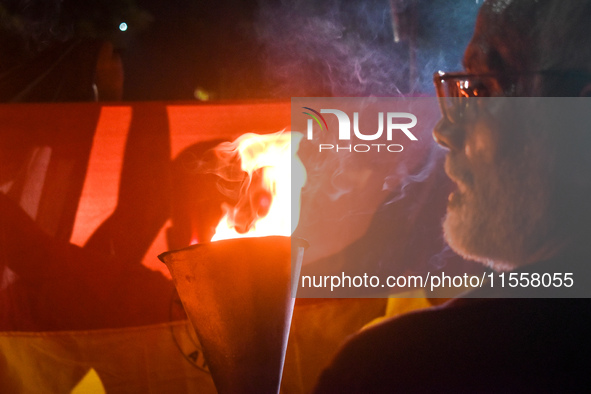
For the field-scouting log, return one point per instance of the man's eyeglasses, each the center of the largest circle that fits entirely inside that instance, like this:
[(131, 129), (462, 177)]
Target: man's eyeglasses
[(453, 89)]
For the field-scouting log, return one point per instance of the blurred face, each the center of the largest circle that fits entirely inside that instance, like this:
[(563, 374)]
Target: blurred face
[(500, 160)]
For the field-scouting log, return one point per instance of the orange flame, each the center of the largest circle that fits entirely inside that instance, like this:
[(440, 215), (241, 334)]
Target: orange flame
[(269, 201)]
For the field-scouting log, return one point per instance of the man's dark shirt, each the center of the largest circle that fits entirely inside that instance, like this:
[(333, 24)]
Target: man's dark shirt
[(474, 345)]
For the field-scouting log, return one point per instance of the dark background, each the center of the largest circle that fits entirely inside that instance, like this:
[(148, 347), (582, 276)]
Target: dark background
[(252, 49), (272, 48)]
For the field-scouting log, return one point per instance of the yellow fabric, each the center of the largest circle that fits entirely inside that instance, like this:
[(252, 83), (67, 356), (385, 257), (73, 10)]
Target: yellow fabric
[(166, 358), (412, 301), (317, 332), (142, 360), (90, 384)]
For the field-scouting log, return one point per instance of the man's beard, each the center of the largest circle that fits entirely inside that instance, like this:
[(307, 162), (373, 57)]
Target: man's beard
[(500, 214)]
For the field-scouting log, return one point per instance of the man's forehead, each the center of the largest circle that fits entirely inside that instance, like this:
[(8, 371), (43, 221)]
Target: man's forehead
[(482, 57), (500, 40), (487, 50)]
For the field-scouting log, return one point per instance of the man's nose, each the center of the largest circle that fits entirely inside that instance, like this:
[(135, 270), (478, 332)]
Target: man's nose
[(448, 135)]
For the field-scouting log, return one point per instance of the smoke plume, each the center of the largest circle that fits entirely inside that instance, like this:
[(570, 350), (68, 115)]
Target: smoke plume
[(347, 48)]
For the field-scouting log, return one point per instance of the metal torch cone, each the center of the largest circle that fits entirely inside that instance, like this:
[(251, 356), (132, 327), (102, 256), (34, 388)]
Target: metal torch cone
[(237, 294)]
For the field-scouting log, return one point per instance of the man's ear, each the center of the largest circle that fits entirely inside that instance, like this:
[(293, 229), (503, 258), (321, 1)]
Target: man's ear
[(586, 91)]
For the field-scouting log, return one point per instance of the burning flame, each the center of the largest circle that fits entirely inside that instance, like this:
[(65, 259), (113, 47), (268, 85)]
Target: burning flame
[(269, 201)]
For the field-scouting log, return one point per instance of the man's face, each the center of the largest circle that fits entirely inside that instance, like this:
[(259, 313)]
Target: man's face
[(500, 162)]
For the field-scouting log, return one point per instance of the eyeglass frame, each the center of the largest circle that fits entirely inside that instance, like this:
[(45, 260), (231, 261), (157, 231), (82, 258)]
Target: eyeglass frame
[(440, 77)]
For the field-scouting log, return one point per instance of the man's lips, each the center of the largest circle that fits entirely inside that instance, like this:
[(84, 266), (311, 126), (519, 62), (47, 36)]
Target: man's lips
[(455, 197), (459, 178)]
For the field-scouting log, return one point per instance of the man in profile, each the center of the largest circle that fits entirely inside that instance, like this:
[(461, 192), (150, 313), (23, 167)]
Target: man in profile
[(521, 205)]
